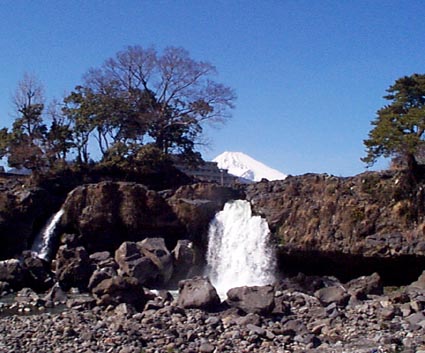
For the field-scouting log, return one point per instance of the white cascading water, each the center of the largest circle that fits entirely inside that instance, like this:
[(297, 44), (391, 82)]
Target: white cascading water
[(239, 249), (43, 241)]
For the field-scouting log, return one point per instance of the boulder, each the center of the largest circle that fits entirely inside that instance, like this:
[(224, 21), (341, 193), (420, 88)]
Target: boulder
[(55, 295), (198, 293), (38, 274), (73, 267), (99, 275), (186, 259), (155, 250), (117, 290), (4, 288), (12, 272), (107, 213), (255, 299), (333, 294), (148, 261), (419, 283), (103, 259), (361, 287)]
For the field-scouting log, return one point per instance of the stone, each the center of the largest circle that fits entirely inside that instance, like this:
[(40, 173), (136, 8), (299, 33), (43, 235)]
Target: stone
[(143, 264), (361, 287), (293, 327), (256, 329), (56, 295), (116, 290), (419, 283), (37, 271), (386, 313), (81, 302), (281, 307), (23, 208), (254, 299), (199, 293), (73, 267), (99, 275), (250, 318), (334, 294), (206, 348), (195, 206), (12, 272), (186, 258), (156, 250), (103, 259)]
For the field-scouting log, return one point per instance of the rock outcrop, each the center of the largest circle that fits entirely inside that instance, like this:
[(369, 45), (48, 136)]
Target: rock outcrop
[(23, 211), (108, 213), (196, 205), (373, 221)]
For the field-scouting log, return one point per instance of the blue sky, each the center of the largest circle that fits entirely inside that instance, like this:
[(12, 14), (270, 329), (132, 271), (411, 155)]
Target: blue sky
[(309, 75)]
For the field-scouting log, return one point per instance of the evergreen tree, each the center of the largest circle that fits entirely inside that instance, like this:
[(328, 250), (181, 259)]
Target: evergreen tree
[(399, 127)]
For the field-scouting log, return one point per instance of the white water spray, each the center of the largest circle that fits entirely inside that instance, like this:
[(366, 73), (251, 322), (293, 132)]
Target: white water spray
[(43, 241), (239, 250)]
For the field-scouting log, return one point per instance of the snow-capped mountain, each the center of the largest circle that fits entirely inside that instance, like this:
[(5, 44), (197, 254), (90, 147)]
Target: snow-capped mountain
[(246, 167)]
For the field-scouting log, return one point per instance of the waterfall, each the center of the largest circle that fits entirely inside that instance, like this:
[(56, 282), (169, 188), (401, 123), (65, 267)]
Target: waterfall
[(43, 241), (239, 249)]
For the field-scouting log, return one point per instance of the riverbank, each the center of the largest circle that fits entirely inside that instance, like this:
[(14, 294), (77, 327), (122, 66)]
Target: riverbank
[(328, 320)]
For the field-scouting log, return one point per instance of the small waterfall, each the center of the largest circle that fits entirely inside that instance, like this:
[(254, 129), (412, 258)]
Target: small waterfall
[(43, 241), (239, 250)]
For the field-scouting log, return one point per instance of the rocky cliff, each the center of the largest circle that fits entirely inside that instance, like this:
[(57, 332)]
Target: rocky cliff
[(324, 224), (23, 210), (346, 225), (105, 214)]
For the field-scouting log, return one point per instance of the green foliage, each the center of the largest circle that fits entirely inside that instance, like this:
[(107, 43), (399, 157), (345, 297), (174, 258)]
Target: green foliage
[(140, 107), (399, 126)]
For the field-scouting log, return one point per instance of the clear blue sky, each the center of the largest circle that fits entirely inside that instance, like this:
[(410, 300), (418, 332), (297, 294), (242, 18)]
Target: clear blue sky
[(309, 75)]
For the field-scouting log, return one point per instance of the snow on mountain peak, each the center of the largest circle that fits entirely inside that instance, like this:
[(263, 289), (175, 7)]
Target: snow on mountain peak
[(246, 167)]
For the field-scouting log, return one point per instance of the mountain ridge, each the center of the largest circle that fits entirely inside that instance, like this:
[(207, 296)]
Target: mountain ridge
[(246, 167)]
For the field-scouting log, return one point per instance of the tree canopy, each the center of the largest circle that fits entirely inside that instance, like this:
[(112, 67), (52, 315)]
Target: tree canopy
[(398, 129), (137, 98), (140, 95)]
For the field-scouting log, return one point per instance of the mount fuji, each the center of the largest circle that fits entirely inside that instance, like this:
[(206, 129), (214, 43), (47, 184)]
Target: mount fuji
[(246, 167)]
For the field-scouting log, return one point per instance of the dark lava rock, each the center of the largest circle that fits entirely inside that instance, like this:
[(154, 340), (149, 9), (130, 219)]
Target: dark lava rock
[(73, 267), (365, 285), (199, 293), (133, 262), (12, 272), (255, 299), (334, 294), (118, 289)]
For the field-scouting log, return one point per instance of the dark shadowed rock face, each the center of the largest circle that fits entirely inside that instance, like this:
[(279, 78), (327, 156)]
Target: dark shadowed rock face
[(23, 210), (12, 272), (361, 287), (73, 267)]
